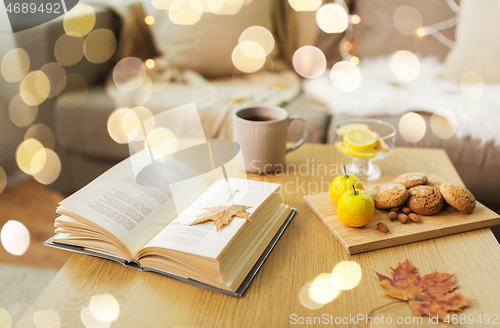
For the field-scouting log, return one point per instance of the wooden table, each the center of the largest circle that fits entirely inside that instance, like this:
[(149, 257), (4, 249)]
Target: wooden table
[(305, 250)]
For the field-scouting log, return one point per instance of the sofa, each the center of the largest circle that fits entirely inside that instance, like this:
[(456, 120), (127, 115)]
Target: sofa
[(86, 149)]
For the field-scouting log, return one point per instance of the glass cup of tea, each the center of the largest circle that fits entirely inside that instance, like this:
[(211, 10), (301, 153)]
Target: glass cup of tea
[(365, 140)]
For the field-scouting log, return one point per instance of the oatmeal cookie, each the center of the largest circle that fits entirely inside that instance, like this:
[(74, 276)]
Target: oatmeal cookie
[(390, 195), (411, 179), (458, 196), (424, 200)]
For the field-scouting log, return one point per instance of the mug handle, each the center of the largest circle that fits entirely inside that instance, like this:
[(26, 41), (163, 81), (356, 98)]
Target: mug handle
[(306, 133)]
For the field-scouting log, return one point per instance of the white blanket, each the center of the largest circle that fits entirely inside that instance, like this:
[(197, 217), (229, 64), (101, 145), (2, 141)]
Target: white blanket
[(381, 93)]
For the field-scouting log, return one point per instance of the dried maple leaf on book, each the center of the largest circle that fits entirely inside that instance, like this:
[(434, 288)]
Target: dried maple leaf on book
[(430, 295), (221, 215)]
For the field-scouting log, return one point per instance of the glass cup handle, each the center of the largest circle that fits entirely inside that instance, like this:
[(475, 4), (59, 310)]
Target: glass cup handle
[(306, 133)]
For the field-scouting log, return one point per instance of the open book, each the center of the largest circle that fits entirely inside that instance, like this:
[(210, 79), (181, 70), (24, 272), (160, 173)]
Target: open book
[(149, 228)]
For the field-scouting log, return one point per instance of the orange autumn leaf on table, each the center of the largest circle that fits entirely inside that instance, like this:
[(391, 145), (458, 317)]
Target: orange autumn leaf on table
[(430, 295), (221, 215)]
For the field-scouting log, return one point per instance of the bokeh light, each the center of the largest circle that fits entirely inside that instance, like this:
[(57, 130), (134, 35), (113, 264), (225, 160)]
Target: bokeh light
[(15, 65), (405, 65), (15, 237), (252, 49), (228, 7), (34, 88), (161, 4), (68, 50), (345, 76), (25, 153), (75, 93), (150, 63), (472, 85), (79, 21), (407, 20), (259, 35), (332, 18), (306, 300), (47, 319), (115, 125), (322, 289), (214, 6), (149, 20), (142, 95), (52, 168), (129, 74), (346, 275), (104, 307), (20, 113), (42, 133), (162, 140), (99, 46), (421, 32), (412, 127), (3, 180), (355, 19), (5, 319), (321, 92), (57, 78), (89, 321), (309, 62), (185, 12), (347, 46), (204, 40), (248, 57), (354, 60), (136, 121), (38, 161), (444, 123), (305, 5)]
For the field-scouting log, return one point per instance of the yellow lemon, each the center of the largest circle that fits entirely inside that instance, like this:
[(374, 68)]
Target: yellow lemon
[(343, 183), (348, 151), (355, 208), (361, 141), (352, 126)]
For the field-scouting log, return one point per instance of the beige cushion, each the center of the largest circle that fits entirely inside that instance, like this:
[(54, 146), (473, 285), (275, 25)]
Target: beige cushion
[(477, 45), (377, 34), (206, 46)]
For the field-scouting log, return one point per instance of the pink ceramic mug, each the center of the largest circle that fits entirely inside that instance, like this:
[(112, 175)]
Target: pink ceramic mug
[(261, 133)]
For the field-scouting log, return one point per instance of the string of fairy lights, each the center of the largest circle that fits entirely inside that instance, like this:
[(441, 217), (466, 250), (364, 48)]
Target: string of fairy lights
[(434, 30)]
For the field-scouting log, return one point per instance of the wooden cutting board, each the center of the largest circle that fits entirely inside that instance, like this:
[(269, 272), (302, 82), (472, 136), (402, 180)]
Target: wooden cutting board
[(368, 238)]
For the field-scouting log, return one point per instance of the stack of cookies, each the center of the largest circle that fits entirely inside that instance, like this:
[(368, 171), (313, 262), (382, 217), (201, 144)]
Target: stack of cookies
[(422, 196)]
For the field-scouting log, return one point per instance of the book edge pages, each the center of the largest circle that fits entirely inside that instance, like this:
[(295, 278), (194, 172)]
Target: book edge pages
[(238, 293)]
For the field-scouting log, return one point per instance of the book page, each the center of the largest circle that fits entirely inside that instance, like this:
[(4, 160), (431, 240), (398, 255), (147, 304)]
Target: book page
[(132, 212), (204, 239)]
